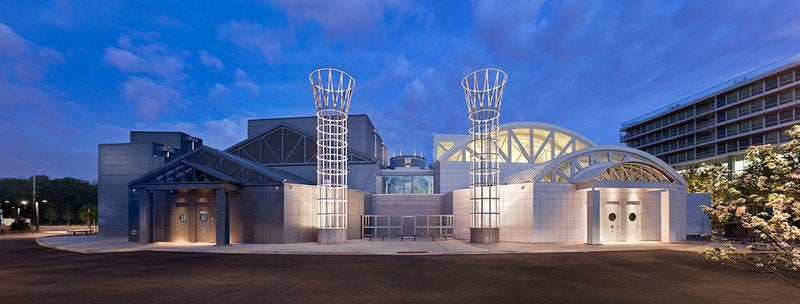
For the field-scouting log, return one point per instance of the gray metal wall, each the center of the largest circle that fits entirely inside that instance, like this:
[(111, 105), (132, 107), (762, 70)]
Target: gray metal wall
[(119, 164)]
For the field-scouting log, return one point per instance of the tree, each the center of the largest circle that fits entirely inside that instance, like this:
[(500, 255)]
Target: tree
[(88, 213), (768, 205), (68, 215), (714, 179), (50, 214)]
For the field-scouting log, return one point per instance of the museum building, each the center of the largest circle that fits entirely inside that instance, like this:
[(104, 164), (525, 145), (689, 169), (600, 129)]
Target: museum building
[(552, 185)]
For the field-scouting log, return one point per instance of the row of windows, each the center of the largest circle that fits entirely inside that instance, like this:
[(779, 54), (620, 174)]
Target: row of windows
[(730, 146), (757, 123), (772, 137), (724, 99), (671, 145), (757, 105), (759, 87), (751, 107), (663, 121), (664, 134)]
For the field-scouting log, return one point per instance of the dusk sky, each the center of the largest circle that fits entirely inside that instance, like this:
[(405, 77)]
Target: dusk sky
[(75, 74)]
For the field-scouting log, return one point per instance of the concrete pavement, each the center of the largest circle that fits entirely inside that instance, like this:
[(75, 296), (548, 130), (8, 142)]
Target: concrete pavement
[(95, 244)]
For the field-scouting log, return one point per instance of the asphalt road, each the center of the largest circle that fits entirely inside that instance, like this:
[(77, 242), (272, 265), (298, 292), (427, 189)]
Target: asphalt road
[(33, 274)]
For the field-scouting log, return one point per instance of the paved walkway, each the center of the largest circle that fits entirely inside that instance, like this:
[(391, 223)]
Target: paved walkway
[(95, 244)]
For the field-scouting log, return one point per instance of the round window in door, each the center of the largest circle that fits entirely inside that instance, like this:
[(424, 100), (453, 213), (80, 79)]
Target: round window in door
[(204, 217), (612, 217), (182, 217), (632, 217)]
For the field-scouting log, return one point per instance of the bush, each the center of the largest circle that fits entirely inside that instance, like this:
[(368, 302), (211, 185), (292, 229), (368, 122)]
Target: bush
[(20, 225)]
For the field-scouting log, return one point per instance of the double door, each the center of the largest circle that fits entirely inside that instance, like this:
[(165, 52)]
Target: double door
[(194, 222), (621, 222)]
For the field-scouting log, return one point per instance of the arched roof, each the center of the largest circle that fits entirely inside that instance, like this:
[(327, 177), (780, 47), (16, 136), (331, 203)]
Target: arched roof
[(601, 163), (524, 142)]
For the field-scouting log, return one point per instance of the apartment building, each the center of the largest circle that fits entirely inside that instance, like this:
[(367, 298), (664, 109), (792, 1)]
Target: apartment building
[(718, 124)]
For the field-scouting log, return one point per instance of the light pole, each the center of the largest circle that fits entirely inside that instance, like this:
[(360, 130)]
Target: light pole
[(36, 205), (1, 213)]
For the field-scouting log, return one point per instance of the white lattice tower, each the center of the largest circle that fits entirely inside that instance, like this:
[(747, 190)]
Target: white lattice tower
[(483, 91), (332, 89)]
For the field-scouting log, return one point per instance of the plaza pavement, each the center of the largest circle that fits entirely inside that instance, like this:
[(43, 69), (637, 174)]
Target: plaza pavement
[(391, 246)]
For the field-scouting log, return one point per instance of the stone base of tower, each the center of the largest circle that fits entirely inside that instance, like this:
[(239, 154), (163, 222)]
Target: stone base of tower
[(332, 236), (484, 235)]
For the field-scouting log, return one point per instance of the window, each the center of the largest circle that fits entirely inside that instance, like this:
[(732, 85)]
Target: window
[(732, 130), (744, 126), (757, 140), (771, 83), (720, 117), (731, 97), (757, 88), (785, 97), (731, 114), (771, 120), (786, 78), (721, 133), (720, 101), (757, 123), (770, 101), (720, 149), (744, 143), (772, 137), (757, 105), (744, 109), (786, 116), (744, 92)]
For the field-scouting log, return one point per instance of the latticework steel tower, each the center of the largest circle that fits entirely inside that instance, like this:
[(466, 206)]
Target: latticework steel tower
[(333, 89), (483, 91)]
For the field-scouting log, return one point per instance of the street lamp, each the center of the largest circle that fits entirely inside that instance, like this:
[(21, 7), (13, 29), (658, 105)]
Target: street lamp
[(24, 203)]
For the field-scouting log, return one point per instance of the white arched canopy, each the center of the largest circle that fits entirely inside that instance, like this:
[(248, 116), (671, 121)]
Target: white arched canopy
[(519, 142), (602, 163)]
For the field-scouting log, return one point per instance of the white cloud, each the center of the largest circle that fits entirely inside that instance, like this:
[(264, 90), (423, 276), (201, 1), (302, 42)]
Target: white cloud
[(351, 18), (253, 37), (223, 133), (209, 60), (27, 60), (219, 89), (243, 81), (153, 59), (151, 99)]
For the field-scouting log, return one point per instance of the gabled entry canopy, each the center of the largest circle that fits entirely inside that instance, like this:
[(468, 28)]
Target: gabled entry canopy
[(207, 167)]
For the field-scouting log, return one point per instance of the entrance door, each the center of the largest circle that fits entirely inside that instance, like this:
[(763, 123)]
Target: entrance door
[(632, 222), (206, 230), (408, 225), (612, 220), (182, 221)]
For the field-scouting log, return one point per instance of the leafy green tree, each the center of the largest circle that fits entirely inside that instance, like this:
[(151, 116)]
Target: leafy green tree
[(68, 215), (769, 206), (88, 213), (50, 214), (714, 179)]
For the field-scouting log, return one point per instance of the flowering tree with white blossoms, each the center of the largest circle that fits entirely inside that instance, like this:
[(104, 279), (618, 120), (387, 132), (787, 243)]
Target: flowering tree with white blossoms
[(766, 201)]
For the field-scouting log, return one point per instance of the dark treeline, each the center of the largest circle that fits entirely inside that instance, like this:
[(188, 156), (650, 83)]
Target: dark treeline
[(64, 196)]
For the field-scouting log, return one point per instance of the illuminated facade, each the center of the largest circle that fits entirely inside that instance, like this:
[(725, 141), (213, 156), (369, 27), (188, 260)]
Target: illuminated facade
[(552, 185)]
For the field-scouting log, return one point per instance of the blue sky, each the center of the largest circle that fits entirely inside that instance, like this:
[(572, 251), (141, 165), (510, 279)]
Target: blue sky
[(74, 74)]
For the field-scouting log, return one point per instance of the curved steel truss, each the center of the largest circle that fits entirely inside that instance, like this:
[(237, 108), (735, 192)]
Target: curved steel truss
[(532, 143)]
